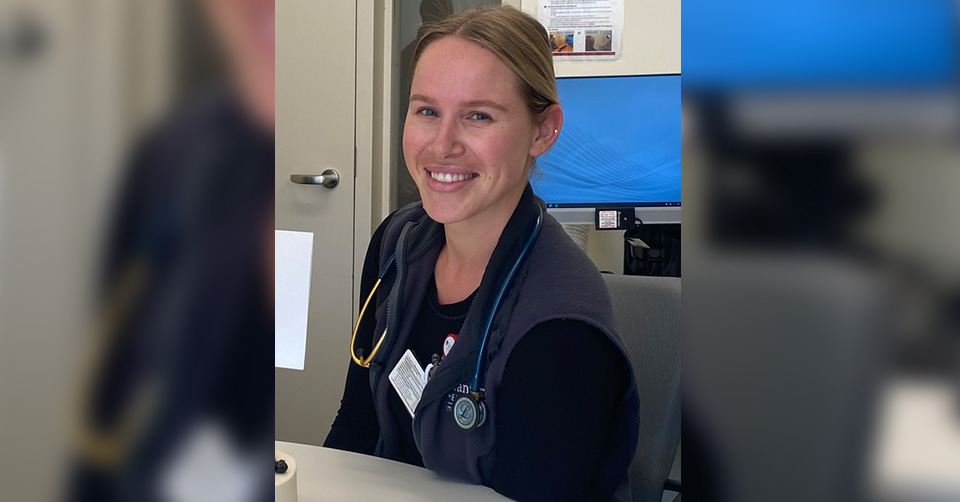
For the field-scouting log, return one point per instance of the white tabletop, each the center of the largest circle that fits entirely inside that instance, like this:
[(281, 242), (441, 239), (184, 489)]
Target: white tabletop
[(324, 474)]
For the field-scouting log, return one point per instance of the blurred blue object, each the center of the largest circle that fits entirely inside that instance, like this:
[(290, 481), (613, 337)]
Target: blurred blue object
[(820, 44)]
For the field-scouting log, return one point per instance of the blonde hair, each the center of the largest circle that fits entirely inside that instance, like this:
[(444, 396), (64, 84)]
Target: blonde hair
[(518, 40)]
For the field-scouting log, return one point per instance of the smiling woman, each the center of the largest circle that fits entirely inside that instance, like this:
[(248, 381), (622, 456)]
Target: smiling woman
[(461, 281), (468, 140)]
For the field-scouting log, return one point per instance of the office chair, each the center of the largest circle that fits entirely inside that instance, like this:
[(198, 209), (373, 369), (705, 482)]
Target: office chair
[(647, 310)]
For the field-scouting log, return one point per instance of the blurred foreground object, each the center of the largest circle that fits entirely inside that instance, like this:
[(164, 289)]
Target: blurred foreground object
[(187, 321), (821, 148), (22, 37), (917, 454), (178, 403)]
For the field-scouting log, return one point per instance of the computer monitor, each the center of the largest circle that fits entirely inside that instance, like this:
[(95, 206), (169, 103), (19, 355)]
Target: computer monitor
[(620, 147)]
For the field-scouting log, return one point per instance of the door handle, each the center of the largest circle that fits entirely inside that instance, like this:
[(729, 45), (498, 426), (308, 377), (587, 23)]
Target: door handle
[(329, 178)]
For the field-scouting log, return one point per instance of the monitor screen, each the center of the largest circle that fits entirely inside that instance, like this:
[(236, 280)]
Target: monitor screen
[(620, 144)]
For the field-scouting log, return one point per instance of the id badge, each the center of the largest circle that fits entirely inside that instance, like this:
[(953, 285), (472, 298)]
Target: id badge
[(407, 380)]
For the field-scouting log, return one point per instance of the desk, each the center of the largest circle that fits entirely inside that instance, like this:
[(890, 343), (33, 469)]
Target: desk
[(324, 474)]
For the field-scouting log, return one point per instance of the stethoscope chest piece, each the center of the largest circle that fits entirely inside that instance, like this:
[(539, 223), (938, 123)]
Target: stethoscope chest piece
[(469, 411)]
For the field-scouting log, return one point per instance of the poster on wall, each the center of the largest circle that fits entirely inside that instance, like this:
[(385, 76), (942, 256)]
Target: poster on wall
[(583, 29)]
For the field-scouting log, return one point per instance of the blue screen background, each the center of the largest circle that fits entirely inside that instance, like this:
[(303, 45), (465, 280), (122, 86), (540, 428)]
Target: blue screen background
[(825, 44), (620, 143)]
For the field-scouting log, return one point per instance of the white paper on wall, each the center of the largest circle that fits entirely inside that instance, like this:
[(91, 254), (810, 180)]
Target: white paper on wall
[(293, 255)]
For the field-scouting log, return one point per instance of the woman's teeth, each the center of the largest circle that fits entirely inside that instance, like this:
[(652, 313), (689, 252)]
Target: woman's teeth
[(450, 178)]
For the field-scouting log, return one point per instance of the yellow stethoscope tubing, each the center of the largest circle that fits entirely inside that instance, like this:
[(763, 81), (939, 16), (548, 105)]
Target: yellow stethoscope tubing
[(365, 361)]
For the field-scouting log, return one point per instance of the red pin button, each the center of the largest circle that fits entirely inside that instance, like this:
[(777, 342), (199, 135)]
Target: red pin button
[(448, 343)]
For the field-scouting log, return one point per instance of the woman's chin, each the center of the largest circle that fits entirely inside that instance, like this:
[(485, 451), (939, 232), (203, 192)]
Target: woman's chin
[(443, 212)]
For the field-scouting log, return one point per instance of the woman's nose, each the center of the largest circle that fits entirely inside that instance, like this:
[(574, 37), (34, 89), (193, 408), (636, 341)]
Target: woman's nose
[(447, 142)]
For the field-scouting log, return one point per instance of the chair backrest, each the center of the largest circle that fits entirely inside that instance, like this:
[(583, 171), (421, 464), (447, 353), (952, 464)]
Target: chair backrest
[(647, 310)]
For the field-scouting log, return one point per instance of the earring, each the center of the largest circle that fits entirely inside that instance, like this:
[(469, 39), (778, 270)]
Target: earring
[(556, 131)]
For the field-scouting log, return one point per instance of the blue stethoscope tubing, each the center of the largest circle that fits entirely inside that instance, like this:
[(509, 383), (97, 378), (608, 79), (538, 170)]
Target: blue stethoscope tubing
[(504, 286), (498, 301)]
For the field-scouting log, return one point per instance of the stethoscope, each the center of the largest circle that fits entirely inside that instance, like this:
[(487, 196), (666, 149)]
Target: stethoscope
[(469, 412)]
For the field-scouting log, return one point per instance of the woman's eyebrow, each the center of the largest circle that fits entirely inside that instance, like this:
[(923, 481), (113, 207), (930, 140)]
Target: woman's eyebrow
[(485, 103), (469, 104), (420, 97)]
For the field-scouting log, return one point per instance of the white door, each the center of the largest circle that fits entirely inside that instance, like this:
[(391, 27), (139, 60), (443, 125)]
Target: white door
[(315, 131)]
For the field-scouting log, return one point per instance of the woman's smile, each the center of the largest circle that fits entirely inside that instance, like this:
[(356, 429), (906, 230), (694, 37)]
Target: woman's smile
[(447, 179)]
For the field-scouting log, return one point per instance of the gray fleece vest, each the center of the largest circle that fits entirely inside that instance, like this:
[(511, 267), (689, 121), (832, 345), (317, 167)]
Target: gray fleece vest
[(555, 281)]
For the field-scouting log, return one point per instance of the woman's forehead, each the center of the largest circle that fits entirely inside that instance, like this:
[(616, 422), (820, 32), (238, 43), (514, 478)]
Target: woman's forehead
[(454, 69)]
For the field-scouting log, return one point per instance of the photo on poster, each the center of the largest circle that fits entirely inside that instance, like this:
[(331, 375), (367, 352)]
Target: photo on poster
[(561, 41), (597, 40)]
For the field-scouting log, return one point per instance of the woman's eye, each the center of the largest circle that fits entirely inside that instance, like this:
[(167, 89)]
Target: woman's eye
[(479, 116), (428, 112)]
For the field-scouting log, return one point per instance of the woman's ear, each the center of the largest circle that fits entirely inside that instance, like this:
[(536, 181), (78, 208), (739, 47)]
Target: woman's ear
[(549, 124)]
